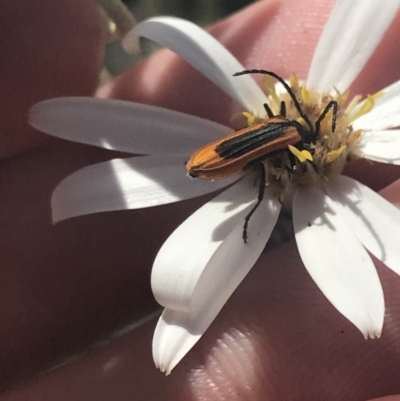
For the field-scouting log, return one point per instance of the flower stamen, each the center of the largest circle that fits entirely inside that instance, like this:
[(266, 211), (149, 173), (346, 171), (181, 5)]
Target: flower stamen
[(268, 85), (334, 154), (251, 118), (302, 155), (366, 107), (305, 94)]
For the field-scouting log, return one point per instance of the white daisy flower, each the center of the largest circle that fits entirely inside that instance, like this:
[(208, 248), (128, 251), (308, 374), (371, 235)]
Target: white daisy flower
[(337, 220)]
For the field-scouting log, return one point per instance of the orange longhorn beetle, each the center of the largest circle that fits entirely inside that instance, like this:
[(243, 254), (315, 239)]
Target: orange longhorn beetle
[(250, 146)]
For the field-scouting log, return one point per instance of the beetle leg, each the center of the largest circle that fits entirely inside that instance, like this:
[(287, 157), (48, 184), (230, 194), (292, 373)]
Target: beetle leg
[(332, 104), (261, 192), (270, 114), (283, 109)]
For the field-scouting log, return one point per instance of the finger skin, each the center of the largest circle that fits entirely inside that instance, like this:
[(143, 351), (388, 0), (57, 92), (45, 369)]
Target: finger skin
[(72, 284), (63, 287), (43, 56), (277, 338)]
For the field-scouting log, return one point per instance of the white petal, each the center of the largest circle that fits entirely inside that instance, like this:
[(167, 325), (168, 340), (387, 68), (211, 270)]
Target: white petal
[(351, 35), (202, 263), (132, 183), (124, 126), (337, 261), (204, 53), (223, 212), (386, 112), (374, 220), (381, 146)]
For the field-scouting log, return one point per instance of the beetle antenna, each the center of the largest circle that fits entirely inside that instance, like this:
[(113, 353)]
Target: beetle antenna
[(286, 86)]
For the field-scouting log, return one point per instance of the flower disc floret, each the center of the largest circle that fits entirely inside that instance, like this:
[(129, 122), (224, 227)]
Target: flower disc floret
[(312, 163)]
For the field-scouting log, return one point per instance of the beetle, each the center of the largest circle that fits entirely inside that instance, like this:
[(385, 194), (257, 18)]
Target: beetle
[(252, 145)]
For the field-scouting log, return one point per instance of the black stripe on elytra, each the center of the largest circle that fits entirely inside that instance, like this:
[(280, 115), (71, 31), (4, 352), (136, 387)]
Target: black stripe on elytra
[(251, 140)]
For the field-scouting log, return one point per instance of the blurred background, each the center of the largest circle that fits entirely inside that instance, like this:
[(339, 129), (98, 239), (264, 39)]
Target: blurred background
[(202, 12)]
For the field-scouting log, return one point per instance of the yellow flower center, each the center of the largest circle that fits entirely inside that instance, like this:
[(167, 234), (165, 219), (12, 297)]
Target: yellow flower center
[(306, 163)]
